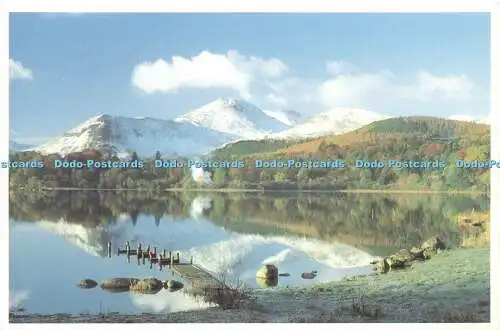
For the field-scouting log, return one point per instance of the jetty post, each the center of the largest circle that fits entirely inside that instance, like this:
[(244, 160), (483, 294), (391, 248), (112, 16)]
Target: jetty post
[(109, 249), (127, 248), (191, 260), (139, 253), (178, 258)]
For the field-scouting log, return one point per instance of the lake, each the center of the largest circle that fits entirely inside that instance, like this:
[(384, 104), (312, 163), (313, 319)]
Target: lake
[(60, 239)]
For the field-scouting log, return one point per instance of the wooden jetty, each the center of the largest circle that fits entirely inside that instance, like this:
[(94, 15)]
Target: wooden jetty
[(198, 276)]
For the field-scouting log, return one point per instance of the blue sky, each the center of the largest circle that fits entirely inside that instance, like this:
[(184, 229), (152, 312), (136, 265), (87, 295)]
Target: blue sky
[(65, 68)]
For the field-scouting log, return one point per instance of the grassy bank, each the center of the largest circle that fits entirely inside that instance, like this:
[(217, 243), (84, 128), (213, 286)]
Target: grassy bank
[(454, 286)]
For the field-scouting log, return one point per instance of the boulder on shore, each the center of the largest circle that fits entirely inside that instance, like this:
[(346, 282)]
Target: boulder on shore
[(380, 266), (432, 246), (400, 259), (268, 272), (267, 282), (87, 284), (404, 258), (118, 284)]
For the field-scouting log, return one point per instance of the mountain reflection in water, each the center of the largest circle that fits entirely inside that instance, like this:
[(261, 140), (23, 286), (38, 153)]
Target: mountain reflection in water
[(337, 235)]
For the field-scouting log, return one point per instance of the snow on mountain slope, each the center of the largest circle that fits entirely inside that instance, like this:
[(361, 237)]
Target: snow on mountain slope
[(334, 121), (233, 117), (288, 118), (122, 135)]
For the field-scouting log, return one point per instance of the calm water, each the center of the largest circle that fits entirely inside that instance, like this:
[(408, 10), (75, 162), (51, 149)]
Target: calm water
[(57, 241)]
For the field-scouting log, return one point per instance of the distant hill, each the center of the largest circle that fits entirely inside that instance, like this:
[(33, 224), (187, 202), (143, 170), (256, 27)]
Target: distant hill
[(238, 149), (424, 128), (417, 139)]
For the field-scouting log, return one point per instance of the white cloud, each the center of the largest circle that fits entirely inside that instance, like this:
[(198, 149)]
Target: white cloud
[(336, 68), (270, 81), (293, 89), (206, 70), (258, 67), (367, 89), (277, 100), (354, 90), (429, 86), (18, 71)]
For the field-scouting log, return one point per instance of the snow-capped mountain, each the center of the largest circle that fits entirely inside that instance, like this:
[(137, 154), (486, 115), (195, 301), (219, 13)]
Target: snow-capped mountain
[(234, 117), (287, 117), (14, 146), (334, 121), (473, 119), (145, 136)]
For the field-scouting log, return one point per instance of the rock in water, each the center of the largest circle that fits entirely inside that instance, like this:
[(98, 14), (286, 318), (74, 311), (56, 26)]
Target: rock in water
[(267, 272), (87, 284), (173, 285), (118, 284), (147, 285), (284, 274), (309, 276)]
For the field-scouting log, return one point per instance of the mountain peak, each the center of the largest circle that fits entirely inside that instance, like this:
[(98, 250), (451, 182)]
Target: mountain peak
[(235, 117), (124, 135)]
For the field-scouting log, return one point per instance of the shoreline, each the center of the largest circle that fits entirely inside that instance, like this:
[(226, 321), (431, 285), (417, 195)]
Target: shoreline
[(307, 191), (452, 287)]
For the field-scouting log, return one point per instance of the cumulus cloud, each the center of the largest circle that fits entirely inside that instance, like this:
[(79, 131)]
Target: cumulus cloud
[(354, 90), (271, 82), (206, 70), (336, 68), (18, 71), (365, 89), (429, 86)]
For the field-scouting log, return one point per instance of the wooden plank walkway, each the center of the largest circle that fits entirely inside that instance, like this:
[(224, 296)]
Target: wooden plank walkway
[(197, 275)]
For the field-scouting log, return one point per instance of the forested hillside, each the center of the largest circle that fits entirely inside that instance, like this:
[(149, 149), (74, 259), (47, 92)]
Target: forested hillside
[(410, 139)]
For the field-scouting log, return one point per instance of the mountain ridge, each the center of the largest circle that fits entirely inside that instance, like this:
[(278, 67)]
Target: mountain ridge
[(220, 123)]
